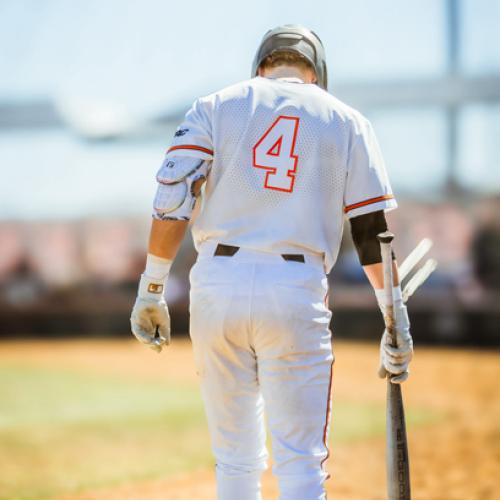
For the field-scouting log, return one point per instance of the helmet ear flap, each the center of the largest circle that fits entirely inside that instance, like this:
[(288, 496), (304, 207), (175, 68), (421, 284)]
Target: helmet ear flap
[(294, 38)]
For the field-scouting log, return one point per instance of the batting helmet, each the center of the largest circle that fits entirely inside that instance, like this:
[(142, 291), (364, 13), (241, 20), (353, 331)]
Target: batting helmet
[(294, 38)]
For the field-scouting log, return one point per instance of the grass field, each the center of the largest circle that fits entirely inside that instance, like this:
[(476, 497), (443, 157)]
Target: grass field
[(111, 419)]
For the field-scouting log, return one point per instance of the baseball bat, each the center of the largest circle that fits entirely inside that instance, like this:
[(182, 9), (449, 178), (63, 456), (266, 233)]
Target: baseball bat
[(397, 459)]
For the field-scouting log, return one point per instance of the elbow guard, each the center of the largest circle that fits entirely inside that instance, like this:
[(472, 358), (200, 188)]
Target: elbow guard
[(175, 196), (364, 230)]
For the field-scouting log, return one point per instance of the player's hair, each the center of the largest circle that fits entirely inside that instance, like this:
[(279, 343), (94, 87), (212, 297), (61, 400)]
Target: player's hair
[(286, 58)]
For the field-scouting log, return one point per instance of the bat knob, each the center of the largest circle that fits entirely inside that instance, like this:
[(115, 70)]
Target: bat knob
[(386, 237)]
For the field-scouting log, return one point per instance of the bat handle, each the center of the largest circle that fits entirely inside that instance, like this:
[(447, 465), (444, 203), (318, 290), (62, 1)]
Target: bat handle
[(385, 240)]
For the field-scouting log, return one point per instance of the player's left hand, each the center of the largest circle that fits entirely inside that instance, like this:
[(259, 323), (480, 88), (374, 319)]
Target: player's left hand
[(394, 361), (150, 321)]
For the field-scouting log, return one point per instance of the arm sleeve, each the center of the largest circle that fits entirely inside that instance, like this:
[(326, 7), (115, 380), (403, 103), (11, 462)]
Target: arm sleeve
[(367, 186), (194, 136), (364, 231)]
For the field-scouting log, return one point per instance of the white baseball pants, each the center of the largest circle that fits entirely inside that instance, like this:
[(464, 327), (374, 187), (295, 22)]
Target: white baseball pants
[(261, 339)]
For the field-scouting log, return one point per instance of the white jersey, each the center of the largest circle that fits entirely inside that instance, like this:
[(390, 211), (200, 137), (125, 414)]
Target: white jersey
[(289, 161)]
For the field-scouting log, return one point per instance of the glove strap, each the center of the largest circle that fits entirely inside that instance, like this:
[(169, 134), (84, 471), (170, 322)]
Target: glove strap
[(151, 289), (154, 279)]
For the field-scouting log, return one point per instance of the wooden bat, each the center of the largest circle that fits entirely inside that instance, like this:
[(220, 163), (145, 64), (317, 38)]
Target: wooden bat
[(398, 464)]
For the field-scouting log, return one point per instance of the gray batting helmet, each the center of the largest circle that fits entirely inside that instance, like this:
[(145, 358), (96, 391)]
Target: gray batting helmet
[(294, 38)]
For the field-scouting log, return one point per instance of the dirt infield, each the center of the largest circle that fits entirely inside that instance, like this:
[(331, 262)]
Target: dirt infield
[(456, 458), (455, 455)]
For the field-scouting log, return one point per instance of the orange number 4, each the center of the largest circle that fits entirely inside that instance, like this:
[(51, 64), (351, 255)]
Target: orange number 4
[(274, 152)]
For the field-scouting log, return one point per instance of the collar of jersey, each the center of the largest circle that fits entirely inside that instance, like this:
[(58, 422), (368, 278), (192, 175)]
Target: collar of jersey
[(290, 79)]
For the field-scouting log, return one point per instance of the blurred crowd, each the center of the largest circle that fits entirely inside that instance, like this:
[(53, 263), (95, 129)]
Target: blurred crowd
[(80, 275)]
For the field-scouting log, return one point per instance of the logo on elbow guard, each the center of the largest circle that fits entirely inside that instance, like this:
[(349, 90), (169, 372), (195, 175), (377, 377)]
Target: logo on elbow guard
[(181, 131), (155, 288)]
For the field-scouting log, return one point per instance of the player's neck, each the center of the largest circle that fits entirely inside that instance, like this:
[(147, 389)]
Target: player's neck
[(285, 72)]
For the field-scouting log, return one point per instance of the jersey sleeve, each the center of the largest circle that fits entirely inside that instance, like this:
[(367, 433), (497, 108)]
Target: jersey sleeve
[(367, 186), (194, 136)]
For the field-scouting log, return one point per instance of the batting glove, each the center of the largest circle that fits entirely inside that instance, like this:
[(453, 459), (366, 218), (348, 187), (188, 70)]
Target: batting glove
[(150, 320), (394, 361)]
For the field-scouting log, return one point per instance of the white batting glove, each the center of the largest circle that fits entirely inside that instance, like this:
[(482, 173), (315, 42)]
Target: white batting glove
[(150, 320), (394, 361)]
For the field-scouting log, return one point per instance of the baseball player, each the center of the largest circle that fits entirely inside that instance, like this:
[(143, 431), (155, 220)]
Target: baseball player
[(281, 162)]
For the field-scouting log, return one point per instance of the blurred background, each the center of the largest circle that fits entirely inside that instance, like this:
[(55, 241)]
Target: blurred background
[(91, 92), (90, 95)]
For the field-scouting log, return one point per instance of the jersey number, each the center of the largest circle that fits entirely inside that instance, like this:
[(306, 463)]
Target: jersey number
[(274, 152)]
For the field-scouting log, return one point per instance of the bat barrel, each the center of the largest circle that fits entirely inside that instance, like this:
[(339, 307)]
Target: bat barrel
[(398, 463)]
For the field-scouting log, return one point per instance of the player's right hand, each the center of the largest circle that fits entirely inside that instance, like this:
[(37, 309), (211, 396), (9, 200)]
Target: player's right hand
[(150, 320)]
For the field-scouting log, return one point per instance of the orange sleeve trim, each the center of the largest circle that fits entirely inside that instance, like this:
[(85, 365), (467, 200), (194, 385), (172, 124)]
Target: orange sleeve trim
[(368, 202), (191, 146)]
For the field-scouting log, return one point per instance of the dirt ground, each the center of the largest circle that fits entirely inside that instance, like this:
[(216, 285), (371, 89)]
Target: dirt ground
[(456, 456)]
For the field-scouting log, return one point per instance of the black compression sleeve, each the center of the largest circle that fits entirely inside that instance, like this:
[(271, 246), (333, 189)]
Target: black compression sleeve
[(364, 230)]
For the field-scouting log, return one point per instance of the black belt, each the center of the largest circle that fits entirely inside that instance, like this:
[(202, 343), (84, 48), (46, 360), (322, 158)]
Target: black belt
[(230, 250)]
